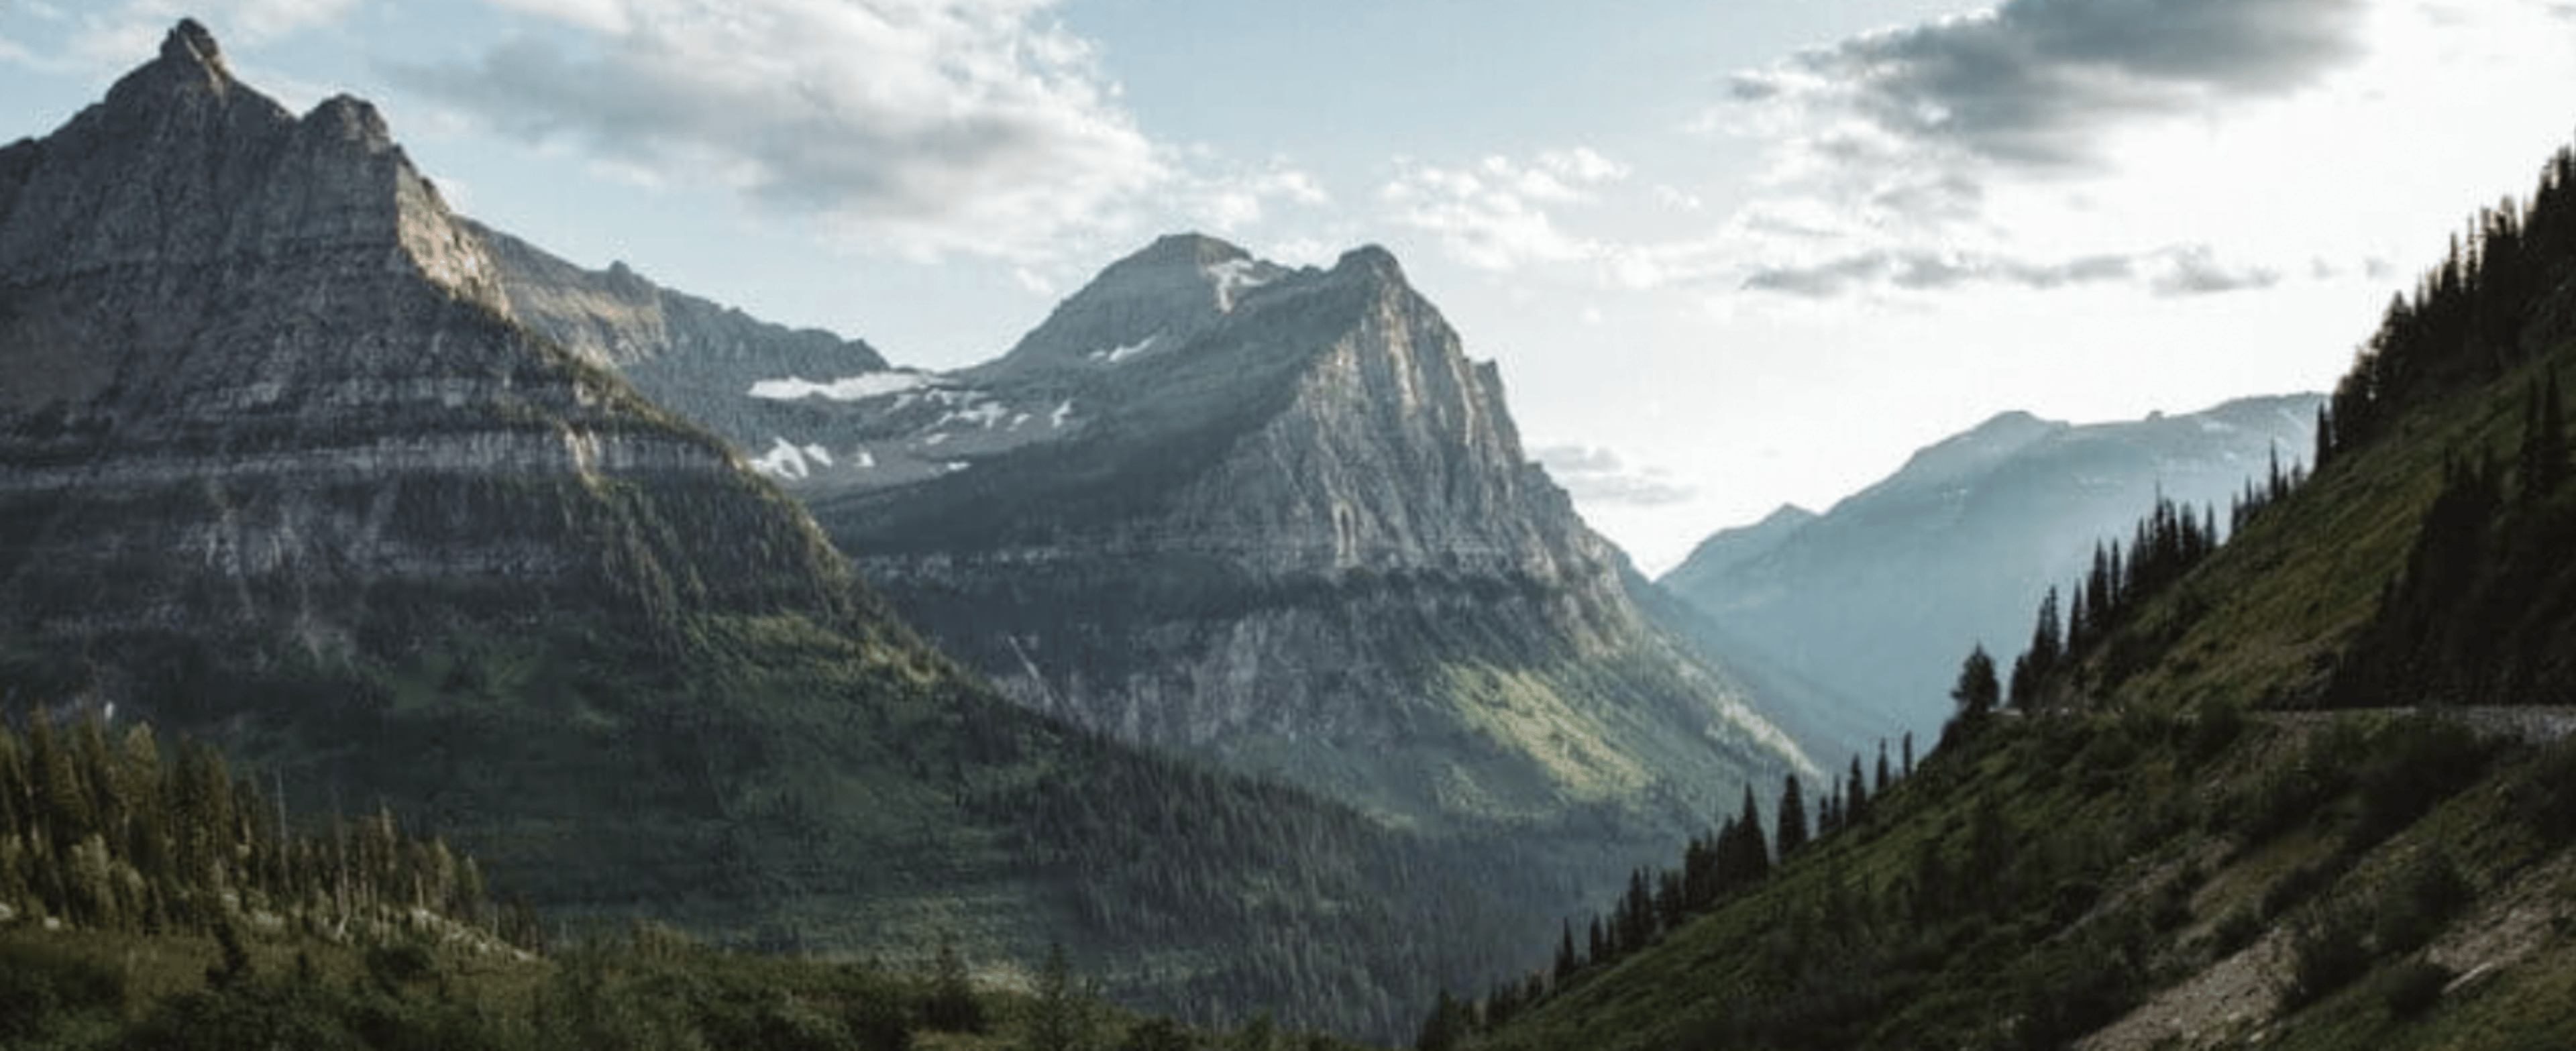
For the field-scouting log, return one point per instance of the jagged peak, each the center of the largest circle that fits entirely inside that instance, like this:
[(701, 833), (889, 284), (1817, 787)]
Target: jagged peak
[(190, 42), (352, 119), (190, 62)]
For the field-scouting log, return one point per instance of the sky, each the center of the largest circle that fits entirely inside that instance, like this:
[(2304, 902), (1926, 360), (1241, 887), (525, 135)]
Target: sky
[(1728, 254)]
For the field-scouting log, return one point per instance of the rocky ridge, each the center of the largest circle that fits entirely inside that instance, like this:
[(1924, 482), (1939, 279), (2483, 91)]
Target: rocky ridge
[(1296, 532), (270, 380)]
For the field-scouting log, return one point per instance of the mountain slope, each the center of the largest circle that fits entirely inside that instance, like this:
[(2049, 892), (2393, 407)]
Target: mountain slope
[(245, 341), (1875, 601), (696, 358), (1291, 529), (286, 471), (2171, 849)]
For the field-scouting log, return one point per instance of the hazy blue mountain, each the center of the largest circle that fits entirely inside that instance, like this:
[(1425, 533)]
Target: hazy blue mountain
[(1873, 603)]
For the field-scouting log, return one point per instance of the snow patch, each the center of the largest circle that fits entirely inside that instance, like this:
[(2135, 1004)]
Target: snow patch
[(1062, 413), (1232, 278), (985, 414), (952, 466), (1114, 355), (861, 459), (848, 388), (784, 461), (935, 439), (819, 454)]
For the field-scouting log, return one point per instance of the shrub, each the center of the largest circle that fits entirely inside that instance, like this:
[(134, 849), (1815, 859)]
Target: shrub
[(2240, 929), (2417, 903), (2418, 762), (2413, 987), (2328, 952)]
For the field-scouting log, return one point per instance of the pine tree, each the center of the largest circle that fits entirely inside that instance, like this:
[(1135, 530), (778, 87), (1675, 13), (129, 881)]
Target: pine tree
[(1977, 692), (1909, 754), (1754, 848), (951, 1005), (1855, 796), (1566, 962), (1444, 1027), (1791, 830), (1883, 777), (1059, 1020)]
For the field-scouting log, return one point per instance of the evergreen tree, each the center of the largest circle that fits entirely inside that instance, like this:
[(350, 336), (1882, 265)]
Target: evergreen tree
[(1444, 1027), (1791, 830), (951, 1005), (1755, 850), (1855, 796), (1059, 1019), (1977, 692), (2543, 456), (1909, 754), (1566, 962), (1883, 778)]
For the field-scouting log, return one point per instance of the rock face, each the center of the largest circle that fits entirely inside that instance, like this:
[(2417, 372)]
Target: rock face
[(284, 464), (693, 356), (259, 376), (1863, 614), (1292, 529)]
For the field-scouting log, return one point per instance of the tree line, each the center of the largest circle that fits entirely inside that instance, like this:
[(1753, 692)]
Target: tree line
[(1715, 867), (105, 828)]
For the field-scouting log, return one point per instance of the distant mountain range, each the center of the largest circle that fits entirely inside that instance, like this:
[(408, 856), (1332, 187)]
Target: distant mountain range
[(1855, 621)]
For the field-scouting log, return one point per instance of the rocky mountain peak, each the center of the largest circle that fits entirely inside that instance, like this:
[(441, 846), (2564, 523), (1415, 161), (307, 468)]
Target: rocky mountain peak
[(190, 67), (191, 42), (1155, 299)]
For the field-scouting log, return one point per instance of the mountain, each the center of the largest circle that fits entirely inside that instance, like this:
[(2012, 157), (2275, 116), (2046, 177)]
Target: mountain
[(2315, 789), (1728, 548), (1872, 604), (289, 471), (685, 353), (260, 380), (1278, 520)]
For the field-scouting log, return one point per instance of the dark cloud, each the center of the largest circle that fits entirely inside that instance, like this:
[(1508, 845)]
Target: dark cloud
[(2037, 82), (1597, 475), (2186, 271)]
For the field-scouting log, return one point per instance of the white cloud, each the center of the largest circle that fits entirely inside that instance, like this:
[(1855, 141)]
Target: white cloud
[(1494, 215), (1229, 204), (1596, 475), (925, 126), (122, 35)]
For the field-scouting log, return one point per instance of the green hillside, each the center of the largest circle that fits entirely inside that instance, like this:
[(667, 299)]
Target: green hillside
[(2301, 791)]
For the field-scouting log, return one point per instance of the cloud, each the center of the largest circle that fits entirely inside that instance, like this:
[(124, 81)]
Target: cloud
[(2041, 82), (109, 37), (1967, 152), (930, 126), (2181, 271), (1597, 475), (1228, 204), (1495, 214)]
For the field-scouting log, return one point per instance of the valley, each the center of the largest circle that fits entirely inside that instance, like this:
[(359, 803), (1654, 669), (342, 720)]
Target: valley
[(547, 657)]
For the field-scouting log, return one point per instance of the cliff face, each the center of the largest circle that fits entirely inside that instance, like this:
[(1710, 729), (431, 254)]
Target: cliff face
[(1293, 529), (261, 377), (696, 357)]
